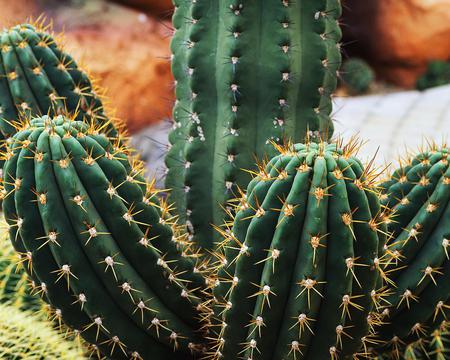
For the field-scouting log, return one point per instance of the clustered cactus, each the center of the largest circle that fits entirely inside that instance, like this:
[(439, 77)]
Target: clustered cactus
[(242, 84), (304, 255)]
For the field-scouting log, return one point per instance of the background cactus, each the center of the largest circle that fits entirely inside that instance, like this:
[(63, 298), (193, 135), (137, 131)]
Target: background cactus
[(37, 77), (416, 257), (300, 264), (247, 74), (357, 75), (15, 286), (98, 243), (437, 73), (24, 335)]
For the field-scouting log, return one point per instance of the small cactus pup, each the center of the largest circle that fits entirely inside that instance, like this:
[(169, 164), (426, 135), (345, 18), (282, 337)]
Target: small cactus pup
[(437, 74), (416, 258), (23, 335), (101, 248), (357, 75), (37, 77), (298, 268), (247, 73)]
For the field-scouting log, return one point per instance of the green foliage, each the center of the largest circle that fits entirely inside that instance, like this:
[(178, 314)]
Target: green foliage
[(24, 335), (416, 260), (357, 75), (100, 246), (437, 74), (300, 264), (247, 74)]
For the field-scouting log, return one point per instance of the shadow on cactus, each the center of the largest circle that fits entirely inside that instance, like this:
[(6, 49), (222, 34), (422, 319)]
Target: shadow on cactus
[(102, 249), (299, 265)]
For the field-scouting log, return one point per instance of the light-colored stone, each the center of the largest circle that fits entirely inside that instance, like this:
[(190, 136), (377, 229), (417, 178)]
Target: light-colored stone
[(399, 37)]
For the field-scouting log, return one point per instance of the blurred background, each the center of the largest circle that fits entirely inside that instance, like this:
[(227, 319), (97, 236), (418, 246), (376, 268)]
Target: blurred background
[(393, 84)]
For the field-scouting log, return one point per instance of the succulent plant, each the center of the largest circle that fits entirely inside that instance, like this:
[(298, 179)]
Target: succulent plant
[(357, 75), (416, 257), (299, 266), (247, 74), (37, 78), (23, 335), (15, 287), (98, 243), (437, 74)]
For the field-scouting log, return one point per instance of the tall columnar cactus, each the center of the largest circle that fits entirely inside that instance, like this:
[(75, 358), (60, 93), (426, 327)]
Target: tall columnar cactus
[(37, 78), (98, 243), (15, 286), (24, 336), (299, 268), (247, 73), (416, 258)]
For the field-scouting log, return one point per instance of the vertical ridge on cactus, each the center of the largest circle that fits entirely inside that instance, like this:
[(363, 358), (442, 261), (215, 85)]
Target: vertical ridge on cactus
[(248, 74), (298, 267), (105, 251), (416, 255)]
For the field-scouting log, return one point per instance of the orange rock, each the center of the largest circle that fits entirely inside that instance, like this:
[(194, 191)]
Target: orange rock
[(17, 11), (128, 52), (156, 7), (399, 37)]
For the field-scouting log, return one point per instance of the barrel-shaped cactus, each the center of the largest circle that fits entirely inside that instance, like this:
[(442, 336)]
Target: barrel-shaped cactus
[(247, 73), (416, 258), (38, 78), (23, 335), (299, 267), (100, 246)]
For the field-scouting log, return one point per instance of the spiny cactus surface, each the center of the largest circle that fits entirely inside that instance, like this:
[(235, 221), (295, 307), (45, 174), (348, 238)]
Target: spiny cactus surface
[(416, 258), (38, 78), (15, 286), (247, 73), (300, 263), (24, 335), (98, 243)]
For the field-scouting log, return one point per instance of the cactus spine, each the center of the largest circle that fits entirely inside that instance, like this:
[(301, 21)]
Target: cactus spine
[(248, 73), (300, 263), (417, 254), (99, 244), (24, 335)]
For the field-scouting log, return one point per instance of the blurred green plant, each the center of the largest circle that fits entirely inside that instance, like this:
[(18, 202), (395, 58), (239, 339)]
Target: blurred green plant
[(437, 74), (357, 75)]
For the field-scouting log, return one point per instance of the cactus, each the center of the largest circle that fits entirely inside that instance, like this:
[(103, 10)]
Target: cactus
[(15, 288), (37, 77), (300, 264), (437, 74), (247, 73), (357, 75), (24, 335), (416, 256), (98, 243)]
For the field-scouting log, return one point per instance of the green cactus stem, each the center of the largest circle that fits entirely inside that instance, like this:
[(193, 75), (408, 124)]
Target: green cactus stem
[(416, 258), (299, 270), (103, 250), (248, 73)]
